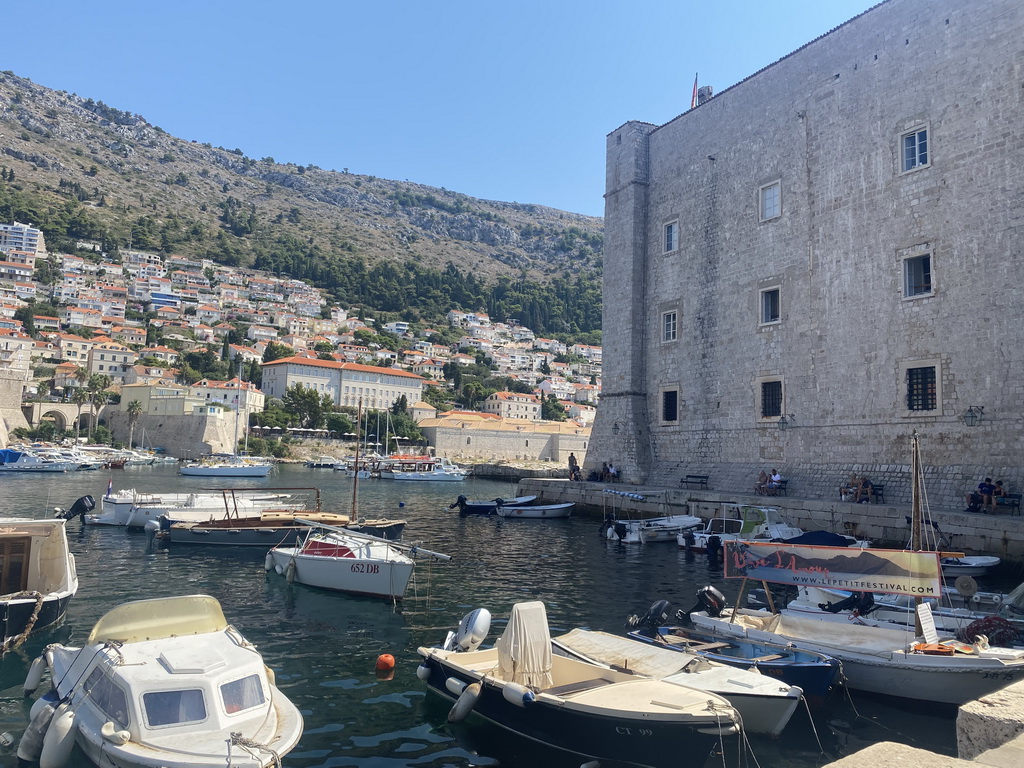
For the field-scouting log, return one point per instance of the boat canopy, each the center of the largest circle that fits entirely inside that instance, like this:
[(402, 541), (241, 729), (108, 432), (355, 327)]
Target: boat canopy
[(159, 618), (524, 648), (9, 455)]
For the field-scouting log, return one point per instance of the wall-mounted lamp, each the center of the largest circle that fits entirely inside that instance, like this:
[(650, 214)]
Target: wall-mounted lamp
[(974, 415), (784, 422), (616, 428)]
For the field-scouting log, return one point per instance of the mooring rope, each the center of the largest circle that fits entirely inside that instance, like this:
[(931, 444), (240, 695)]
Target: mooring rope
[(13, 642)]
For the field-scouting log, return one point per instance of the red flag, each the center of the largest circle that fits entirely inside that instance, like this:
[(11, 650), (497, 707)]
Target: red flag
[(693, 99)]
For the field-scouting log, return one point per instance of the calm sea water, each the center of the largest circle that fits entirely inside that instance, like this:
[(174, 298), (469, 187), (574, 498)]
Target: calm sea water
[(323, 645)]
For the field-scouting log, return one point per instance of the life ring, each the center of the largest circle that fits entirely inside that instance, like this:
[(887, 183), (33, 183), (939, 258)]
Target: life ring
[(465, 703), (59, 738), (35, 675)]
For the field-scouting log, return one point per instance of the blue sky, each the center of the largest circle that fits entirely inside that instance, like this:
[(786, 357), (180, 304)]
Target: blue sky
[(504, 101)]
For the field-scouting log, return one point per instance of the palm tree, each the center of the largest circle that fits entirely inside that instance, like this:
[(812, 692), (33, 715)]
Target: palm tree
[(80, 398), (134, 413), (98, 396)]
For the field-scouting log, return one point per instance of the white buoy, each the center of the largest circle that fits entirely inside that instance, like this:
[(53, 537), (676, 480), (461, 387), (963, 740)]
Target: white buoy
[(454, 685), (517, 694), (35, 674), (268, 563), (423, 672), (465, 703), (59, 738), (279, 570)]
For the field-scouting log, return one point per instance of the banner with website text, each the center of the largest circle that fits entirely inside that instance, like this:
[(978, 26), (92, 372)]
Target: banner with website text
[(855, 570)]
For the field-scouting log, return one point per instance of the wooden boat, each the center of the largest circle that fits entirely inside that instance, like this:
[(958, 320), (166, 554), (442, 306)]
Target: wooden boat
[(590, 711), (467, 507), (765, 704), (37, 577), (161, 683), (535, 512), (814, 673)]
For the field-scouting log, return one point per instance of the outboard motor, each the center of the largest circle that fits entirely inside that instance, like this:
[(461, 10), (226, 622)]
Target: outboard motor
[(620, 530), (689, 540), (459, 502), (656, 616), (862, 603), (606, 524), (714, 546), (710, 600), (79, 509)]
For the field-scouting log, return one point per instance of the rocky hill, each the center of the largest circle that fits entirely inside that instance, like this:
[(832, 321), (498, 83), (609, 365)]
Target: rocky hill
[(96, 172)]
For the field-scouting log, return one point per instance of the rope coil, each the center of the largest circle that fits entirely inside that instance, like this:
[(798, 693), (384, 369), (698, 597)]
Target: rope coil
[(253, 747)]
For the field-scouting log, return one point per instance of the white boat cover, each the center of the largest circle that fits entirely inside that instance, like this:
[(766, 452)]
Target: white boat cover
[(524, 648)]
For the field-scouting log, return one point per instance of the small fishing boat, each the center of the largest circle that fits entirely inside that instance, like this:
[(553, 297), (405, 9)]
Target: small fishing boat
[(335, 558), (322, 462), (592, 711), (37, 577), (742, 522), (650, 530), (467, 507), (814, 673), (226, 465), (535, 511), (440, 470), (164, 683)]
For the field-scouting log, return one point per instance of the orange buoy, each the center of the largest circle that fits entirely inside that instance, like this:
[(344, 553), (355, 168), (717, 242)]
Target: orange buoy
[(385, 662)]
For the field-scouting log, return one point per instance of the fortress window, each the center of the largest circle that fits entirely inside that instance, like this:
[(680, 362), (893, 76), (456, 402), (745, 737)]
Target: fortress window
[(770, 201), (671, 239), (668, 326), (670, 405), (917, 276), (921, 390), (914, 149), (771, 399), (770, 305)]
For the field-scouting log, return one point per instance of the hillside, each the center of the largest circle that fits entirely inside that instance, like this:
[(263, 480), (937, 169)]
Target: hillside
[(88, 171)]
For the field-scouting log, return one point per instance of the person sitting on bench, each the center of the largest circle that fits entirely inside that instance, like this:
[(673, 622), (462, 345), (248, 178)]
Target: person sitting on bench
[(982, 498)]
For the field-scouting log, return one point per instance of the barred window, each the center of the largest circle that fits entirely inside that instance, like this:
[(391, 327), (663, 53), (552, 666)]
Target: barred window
[(771, 399), (670, 405), (921, 394)]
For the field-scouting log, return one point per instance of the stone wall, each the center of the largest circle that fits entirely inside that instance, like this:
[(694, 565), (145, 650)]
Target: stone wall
[(11, 416), (495, 445), (180, 436), (826, 123)]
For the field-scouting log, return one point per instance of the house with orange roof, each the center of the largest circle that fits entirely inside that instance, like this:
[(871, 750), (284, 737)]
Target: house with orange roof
[(346, 383), (512, 405), (111, 359)]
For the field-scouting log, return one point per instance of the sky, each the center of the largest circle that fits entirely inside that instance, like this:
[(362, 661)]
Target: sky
[(503, 101)]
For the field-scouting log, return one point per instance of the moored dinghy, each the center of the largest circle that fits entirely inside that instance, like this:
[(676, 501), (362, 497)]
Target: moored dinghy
[(535, 511), (476, 507), (591, 711), (163, 683)]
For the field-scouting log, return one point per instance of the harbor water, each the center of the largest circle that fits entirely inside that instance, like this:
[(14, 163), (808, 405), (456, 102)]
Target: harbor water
[(323, 646)]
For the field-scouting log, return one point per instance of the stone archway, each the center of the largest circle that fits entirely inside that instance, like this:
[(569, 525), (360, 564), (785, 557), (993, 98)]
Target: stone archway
[(58, 418)]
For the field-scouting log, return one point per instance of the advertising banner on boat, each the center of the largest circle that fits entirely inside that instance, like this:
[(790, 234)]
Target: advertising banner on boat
[(856, 570)]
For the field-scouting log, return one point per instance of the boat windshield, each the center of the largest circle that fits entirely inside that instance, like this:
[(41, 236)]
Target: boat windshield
[(242, 694), (174, 707), (108, 698)]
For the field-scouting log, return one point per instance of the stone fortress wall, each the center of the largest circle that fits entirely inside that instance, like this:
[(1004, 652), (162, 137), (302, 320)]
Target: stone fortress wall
[(827, 124)]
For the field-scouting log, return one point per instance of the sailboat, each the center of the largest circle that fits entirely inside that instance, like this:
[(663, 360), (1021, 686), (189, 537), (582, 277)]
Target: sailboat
[(909, 662)]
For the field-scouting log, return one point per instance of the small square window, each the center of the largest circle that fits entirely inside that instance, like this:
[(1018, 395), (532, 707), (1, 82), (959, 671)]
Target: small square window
[(917, 276), (771, 399), (670, 405), (671, 240), (668, 326), (770, 306), (770, 201), (914, 149), (921, 390)]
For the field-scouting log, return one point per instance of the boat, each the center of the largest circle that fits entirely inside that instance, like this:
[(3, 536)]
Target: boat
[(322, 462), (227, 465), (953, 564), (910, 662), (37, 577), (338, 559), (650, 530), (765, 704), (591, 711), (535, 511), (754, 523), (814, 673), (489, 507), (161, 683), (434, 470), (20, 461), (198, 507), (271, 528)]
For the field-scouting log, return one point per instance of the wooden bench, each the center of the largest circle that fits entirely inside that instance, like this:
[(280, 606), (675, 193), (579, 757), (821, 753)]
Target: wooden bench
[(1010, 501), (708, 646), (769, 657), (695, 481), (776, 490)]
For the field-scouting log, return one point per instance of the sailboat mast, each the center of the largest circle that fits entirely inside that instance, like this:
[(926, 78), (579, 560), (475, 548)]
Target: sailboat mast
[(355, 477), (915, 514)]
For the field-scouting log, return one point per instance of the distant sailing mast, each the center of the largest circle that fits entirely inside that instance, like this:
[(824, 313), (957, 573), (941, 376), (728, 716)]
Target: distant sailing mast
[(355, 478)]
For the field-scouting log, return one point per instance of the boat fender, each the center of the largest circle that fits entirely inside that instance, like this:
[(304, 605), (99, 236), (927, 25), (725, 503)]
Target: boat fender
[(35, 675), (517, 694), (268, 562), (59, 738), (423, 672), (454, 685), (289, 572), (279, 570), (31, 744), (110, 733), (465, 703), (50, 697)]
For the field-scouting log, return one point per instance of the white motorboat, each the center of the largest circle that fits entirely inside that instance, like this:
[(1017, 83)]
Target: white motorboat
[(535, 511), (132, 508), (20, 461), (163, 683), (37, 577), (322, 462), (440, 470), (592, 711), (347, 561), (764, 703), (649, 531), (953, 567), (742, 522), (227, 465)]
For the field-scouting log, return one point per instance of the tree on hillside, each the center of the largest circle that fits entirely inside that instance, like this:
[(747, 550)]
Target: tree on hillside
[(98, 397), (134, 414), (551, 409), (276, 350), (308, 405)]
